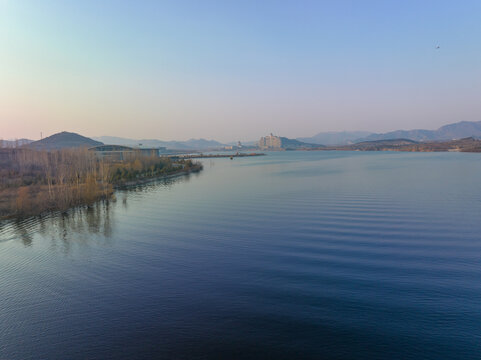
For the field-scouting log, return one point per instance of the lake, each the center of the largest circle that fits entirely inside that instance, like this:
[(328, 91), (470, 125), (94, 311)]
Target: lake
[(294, 255)]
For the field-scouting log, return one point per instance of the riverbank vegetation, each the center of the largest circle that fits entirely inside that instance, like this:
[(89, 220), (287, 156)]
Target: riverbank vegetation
[(32, 182)]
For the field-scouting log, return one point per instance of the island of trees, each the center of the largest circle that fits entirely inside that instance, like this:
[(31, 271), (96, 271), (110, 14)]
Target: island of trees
[(33, 181)]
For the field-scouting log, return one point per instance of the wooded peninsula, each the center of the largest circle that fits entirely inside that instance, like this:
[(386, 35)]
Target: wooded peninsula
[(33, 182)]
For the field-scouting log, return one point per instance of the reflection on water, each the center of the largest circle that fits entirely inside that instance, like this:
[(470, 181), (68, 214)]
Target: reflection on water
[(81, 223), (19, 229), (165, 183), (94, 220)]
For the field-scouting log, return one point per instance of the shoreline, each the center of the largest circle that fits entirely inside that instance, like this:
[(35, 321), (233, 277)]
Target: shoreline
[(148, 180), (476, 151), (107, 196)]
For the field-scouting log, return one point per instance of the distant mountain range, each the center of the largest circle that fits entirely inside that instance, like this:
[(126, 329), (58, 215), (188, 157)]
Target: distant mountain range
[(460, 130), (335, 138), (63, 140), (455, 131), (192, 144)]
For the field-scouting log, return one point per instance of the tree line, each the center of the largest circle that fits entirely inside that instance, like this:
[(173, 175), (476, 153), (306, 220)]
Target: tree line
[(34, 181)]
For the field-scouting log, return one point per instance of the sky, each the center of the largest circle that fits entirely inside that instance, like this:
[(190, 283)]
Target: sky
[(236, 70)]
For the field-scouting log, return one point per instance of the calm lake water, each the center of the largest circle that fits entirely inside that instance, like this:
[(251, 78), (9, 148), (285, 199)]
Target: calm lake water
[(295, 255)]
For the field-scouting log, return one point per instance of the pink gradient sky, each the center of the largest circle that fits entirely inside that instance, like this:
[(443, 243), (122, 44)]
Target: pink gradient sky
[(236, 71)]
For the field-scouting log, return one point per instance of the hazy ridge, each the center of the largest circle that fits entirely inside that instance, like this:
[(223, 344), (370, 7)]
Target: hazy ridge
[(454, 131), (175, 145), (335, 137)]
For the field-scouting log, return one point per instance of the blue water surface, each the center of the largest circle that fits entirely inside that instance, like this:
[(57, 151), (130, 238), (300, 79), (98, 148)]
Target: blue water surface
[(294, 255)]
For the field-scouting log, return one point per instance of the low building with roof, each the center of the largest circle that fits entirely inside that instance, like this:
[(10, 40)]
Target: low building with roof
[(122, 152)]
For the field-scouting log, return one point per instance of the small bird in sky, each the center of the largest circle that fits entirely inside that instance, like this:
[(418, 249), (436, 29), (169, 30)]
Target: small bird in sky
[(438, 47)]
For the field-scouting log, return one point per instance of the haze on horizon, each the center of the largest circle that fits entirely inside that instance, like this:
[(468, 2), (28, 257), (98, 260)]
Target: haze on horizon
[(230, 70)]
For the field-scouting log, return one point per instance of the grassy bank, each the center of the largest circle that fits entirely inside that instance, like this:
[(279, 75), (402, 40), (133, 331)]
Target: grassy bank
[(33, 182)]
